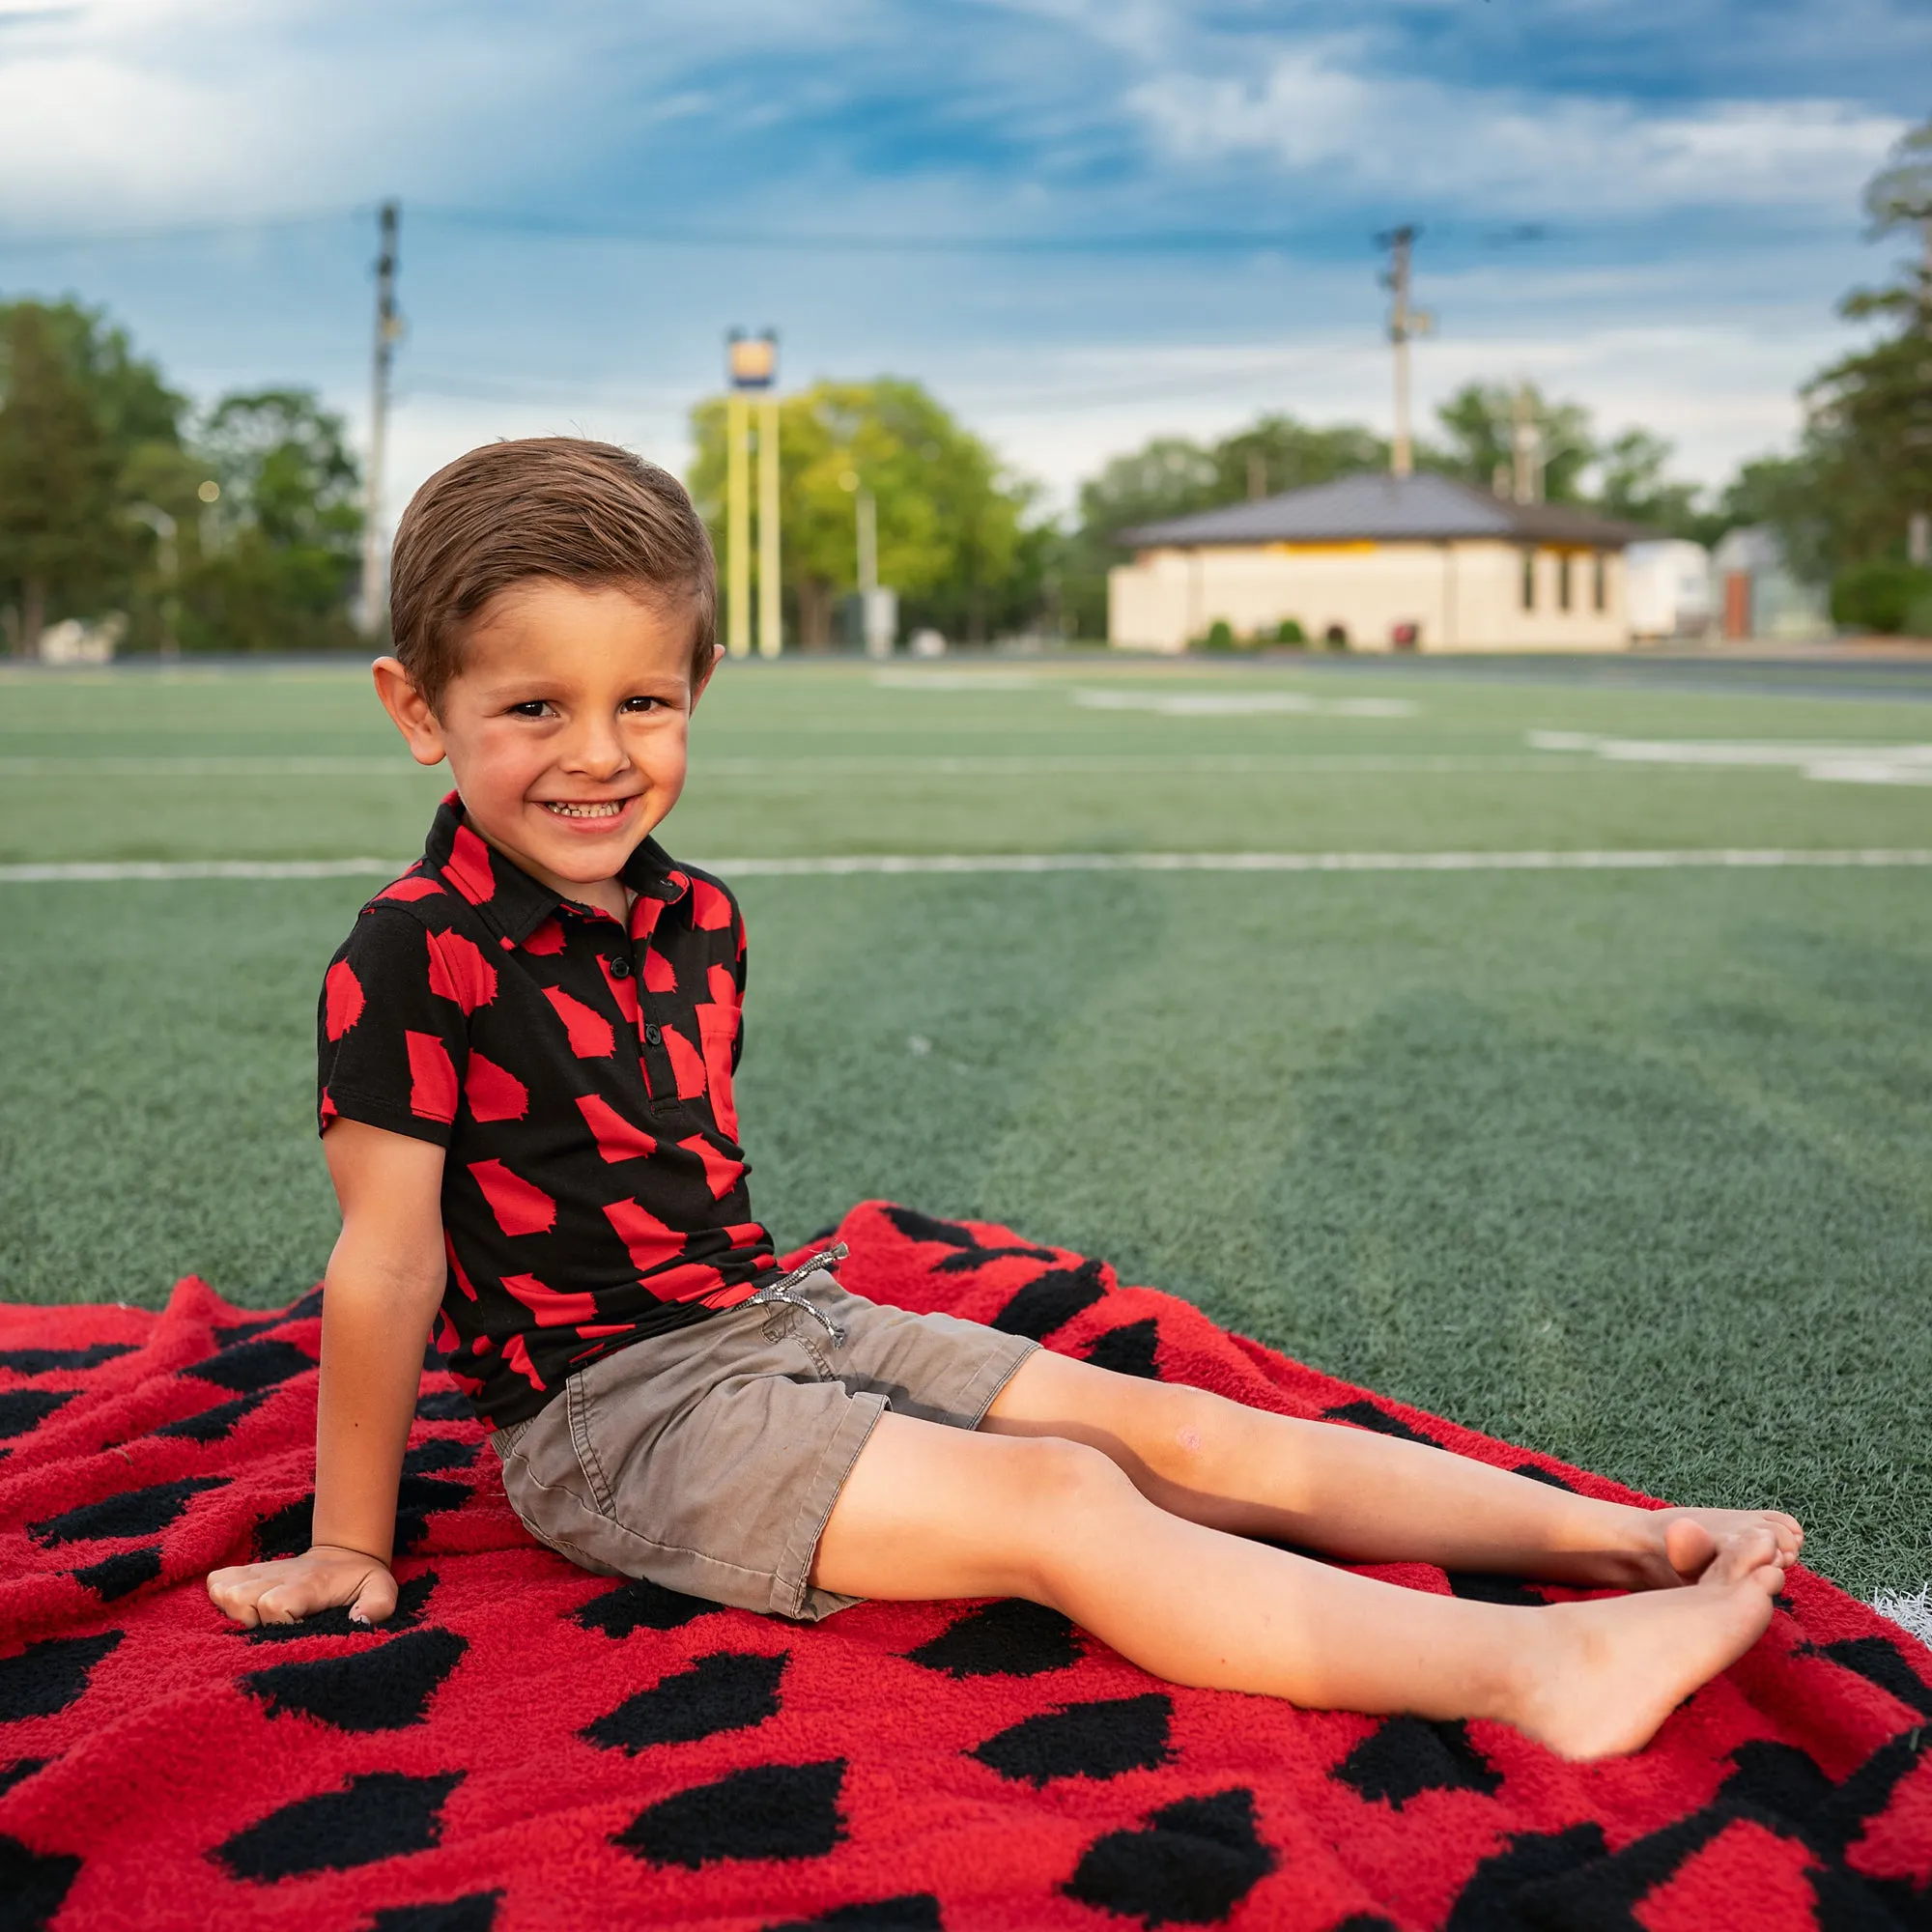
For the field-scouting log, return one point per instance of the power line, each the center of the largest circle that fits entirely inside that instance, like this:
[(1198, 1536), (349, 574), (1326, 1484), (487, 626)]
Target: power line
[(564, 390), (191, 231), (549, 228)]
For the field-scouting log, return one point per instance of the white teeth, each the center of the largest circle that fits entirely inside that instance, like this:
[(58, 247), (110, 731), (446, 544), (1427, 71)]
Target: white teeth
[(607, 808)]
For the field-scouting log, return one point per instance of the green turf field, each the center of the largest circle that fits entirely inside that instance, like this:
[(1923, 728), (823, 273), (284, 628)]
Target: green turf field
[(1629, 1165)]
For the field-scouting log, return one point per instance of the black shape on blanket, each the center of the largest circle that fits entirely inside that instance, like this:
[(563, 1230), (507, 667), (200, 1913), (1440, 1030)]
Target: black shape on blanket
[(1402, 1757), (383, 1689), (1099, 1739), (378, 1814), (1009, 1639), (767, 1812), (911, 1912), (32, 1884), (473, 1911), (1190, 1863), (47, 1676), (640, 1605), (724, 1692)]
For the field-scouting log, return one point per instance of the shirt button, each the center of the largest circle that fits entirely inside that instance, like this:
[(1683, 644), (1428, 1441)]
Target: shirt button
[(620, 968), (653, 1037)]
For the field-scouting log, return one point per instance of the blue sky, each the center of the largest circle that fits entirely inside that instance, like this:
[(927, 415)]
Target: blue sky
[(1080, 221)]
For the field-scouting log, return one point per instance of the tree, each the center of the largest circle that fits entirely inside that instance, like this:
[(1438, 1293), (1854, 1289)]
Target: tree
[(1632, 484), (1173, 476), (276, 555), (84, 423), (1275, 453), (1843, 503), (953, 536), (1900, 194), (1868, 430), (1480, 420)]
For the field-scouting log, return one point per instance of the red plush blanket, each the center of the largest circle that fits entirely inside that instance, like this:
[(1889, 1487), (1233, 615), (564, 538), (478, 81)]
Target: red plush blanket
[(527, 1746)]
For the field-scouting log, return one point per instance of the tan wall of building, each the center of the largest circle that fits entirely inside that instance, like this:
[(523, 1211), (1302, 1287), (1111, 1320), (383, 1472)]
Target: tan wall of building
[(1463, 596)]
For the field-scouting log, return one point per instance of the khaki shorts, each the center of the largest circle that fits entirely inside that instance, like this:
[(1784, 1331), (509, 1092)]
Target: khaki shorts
[(708, 1459)]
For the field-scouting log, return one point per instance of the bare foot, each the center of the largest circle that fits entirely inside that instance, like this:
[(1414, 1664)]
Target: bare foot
[(1682, 1546), (1605, 1675)]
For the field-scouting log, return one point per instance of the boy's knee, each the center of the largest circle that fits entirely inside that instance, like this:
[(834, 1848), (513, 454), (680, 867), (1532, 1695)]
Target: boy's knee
[(1057, 1479), (1188, 1433)]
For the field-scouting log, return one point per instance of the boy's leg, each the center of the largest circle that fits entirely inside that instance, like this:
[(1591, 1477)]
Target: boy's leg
[(931, 1511), (1357, 1494)]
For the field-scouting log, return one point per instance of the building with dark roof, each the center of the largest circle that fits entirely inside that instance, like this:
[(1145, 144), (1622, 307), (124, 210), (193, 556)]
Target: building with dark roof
[(1386, 562)]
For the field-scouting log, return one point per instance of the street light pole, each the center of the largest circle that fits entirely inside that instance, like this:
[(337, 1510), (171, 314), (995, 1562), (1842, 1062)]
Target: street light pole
[(771, 585), (166, 530), (388, 328), (751, 363), (737, 524)]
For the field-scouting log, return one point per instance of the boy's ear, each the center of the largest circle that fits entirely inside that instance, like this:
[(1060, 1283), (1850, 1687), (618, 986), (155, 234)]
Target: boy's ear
[(697, 690), (410, 710)]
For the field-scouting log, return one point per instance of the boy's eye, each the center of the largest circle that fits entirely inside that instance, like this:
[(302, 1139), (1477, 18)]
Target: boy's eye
[(534, 707), (636, 704)]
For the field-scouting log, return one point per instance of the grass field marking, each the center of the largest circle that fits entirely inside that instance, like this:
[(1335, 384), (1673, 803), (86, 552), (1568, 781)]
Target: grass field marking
[(1912, 1613), (894, 863), (1237, 704), (1833, 763), (991, 764), (293, 767), (1028, 764), (955, 680), (889, 865), (110, 871)]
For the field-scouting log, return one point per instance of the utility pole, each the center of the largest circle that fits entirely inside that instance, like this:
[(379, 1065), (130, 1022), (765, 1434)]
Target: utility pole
[(1404, 323), (1526, 452), (388, 330)]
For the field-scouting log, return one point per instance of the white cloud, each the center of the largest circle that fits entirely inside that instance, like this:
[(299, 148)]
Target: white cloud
[(1314, 110), (200, 110)]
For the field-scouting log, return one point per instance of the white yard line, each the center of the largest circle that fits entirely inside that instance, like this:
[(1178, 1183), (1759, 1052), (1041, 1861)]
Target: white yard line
[(1909, 1613), (878, 765), (208, 768), (1830, 763), (895, 863)]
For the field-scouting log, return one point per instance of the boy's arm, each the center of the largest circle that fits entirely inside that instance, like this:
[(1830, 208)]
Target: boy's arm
[(386, 1278)]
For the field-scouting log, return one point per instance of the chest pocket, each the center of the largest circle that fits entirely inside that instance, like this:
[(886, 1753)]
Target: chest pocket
[(718, 1030)]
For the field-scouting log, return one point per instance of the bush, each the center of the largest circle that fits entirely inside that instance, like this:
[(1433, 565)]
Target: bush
[(1336, 638), (1885, 595), (1290, 632), (1220, 637)]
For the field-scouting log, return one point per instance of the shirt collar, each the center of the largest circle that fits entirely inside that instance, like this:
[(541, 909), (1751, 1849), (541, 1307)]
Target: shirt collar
[(513, 902)]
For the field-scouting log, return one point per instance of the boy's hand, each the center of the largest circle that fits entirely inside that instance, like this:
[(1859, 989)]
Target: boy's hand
[(294, 1588)]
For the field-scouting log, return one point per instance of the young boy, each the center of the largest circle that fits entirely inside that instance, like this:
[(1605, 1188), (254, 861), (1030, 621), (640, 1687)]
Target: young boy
[(527, 1052)]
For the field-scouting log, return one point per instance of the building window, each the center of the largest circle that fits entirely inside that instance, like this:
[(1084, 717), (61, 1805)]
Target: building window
[(1529, 580), (1563, 564), (1600, 582)]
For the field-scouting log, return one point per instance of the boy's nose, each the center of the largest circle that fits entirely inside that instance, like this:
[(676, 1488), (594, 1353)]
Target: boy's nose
[(597, 751)]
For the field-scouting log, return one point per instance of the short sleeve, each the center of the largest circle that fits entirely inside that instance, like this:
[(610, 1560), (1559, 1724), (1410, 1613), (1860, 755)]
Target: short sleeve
[(390, 1052)]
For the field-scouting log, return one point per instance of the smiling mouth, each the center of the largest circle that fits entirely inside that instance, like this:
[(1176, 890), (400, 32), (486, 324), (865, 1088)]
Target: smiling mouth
[(609, 808)]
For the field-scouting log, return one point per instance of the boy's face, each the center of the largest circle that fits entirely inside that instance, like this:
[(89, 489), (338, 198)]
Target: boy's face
[(565, 730)]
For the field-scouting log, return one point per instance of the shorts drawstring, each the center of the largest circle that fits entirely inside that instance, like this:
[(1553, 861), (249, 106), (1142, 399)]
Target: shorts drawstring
[(785, 1289)]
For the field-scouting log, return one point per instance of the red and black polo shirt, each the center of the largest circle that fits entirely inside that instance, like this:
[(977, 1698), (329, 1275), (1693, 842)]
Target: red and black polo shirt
[(578, 1076)]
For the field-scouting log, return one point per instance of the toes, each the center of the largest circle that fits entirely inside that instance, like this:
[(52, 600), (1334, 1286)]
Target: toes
[(1689, 1548)]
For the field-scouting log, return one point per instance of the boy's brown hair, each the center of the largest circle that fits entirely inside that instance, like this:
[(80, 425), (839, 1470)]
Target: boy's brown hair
[(544, 506)]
